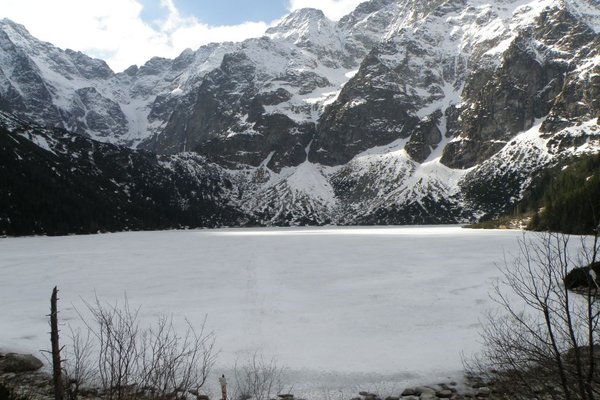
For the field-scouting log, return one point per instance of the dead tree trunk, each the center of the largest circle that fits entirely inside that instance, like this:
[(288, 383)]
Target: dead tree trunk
[(59, 390)]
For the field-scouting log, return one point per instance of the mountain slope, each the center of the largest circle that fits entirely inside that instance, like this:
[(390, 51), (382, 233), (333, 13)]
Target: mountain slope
[(56, 183), (437, 111)]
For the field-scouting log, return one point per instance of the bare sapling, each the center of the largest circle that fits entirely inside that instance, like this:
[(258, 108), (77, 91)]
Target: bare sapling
[(258, 379)]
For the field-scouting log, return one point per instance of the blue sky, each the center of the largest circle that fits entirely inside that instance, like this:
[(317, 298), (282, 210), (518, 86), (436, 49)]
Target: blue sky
[(221, 12)]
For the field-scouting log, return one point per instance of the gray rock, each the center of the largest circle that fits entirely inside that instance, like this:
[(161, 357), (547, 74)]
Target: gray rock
[(428, 396), (13, 362), (409, 392), (444, 394), (420, 390), (426, 136)]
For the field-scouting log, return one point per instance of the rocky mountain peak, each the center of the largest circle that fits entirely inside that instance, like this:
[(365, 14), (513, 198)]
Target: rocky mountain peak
[(14, 31), (297, 20), (306, 27), (364, 9), (377, 20), (45, 54)]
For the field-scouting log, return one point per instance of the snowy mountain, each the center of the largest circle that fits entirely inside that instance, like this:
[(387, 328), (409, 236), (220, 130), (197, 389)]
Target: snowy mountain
[(434, 111), (55, 182)]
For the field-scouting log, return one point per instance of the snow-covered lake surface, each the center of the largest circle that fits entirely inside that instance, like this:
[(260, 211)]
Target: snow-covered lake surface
[(345, 309)]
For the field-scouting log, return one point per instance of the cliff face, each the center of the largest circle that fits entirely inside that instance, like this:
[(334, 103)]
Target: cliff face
[(401, 112)]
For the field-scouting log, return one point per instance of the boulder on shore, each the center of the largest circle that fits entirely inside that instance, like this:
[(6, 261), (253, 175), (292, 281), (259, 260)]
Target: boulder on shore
[(13, 362)]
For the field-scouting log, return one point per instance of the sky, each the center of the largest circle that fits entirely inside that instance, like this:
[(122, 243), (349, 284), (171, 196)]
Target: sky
[(127, 32)]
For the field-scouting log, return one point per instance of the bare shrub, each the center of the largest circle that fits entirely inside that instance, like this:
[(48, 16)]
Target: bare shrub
[(126, 360), (175, 364), (545, 340), (118, 337), (258, 379), (78, 363)]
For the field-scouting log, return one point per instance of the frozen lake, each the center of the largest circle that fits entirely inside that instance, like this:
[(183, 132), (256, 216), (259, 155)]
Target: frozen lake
[(345, 309)]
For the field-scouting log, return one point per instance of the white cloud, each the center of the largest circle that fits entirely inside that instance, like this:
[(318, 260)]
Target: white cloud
[(333, 9), (114, 31)]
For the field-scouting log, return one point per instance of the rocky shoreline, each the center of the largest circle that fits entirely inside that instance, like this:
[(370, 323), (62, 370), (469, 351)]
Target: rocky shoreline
[(474, 389), (21, 378)]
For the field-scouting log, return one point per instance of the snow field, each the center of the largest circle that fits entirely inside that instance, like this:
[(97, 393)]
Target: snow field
[(345, 309)]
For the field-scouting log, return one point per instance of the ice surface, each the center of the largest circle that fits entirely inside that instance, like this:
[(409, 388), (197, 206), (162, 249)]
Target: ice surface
[(343, 308)]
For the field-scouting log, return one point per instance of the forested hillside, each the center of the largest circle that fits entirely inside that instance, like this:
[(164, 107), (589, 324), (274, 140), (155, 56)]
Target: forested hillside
[(567, 198)]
